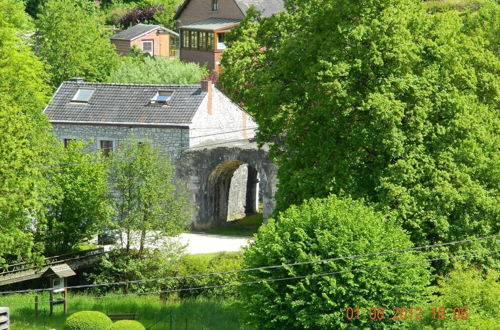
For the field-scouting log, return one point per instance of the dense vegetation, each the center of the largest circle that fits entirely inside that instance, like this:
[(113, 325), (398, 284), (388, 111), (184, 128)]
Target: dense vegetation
[(404, 102), (150, 70), (325, 229)]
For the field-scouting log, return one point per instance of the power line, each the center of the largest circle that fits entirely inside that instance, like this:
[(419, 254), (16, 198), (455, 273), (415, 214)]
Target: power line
[(86, 286), (261, 281)]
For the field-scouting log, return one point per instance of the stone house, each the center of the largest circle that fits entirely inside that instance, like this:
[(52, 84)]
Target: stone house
[(207, 136), (174, 117), (203, 24), (152, 39)]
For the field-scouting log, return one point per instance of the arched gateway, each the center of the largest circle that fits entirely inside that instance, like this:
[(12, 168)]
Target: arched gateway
[(226, 182)]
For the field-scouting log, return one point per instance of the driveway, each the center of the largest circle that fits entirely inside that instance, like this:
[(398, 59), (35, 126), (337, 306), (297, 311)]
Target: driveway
[(197, 243)]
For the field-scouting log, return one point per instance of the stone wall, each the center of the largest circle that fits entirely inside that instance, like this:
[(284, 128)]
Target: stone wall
[(170, 140), (236, 204), (227, 122)]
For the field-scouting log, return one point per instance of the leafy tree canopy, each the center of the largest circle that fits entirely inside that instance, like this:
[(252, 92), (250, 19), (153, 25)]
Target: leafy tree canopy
[(322, 229), (151, 70), (146, 199), (379, 100), (72, 40), (83, 209), (24, 139)]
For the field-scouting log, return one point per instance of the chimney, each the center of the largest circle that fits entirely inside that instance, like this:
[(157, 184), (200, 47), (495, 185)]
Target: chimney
[(206, 86), (76, 79)]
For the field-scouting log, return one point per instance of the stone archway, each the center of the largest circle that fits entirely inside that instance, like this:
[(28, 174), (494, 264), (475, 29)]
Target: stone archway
[(210, 174)]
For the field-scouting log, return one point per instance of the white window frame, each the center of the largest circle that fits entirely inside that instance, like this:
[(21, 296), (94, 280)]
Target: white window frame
[(152, 46)]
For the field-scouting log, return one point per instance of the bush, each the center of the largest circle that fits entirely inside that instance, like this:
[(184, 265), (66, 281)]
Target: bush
[(152, 70), (465, 289), (87, 320), (127, 325), (329, 228)]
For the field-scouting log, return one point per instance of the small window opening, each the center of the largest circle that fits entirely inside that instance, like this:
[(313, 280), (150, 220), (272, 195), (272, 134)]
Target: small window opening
[(162, 97), (215, 5), (147, 47), (83, 95), (67, 142), (106, 147)]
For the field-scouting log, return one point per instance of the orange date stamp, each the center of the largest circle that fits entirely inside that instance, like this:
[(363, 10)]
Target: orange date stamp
[(405, 313)]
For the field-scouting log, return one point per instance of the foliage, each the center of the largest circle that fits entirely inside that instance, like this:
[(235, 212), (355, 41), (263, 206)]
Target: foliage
[(83, 209), (145, 197), (405, 104), (25, 191), (139, 15), (72, 40), (121, 266), (127, 325), (88, 320), (203, 264), (466, 288), (154, 70), (321, 229)]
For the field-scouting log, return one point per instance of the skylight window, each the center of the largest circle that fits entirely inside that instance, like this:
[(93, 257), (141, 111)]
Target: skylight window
[(162, 97), (83, 95)]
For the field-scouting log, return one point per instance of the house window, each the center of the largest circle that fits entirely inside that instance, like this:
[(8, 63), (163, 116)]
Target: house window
[(83, 95), (194, 39), (67, 142), (162, 97), (210, 40), (203, 41), (147, 47), (185, 39), (220, 41), (215, 5), (106, 147)]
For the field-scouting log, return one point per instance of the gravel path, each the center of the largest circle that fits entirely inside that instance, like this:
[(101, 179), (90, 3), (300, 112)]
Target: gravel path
[(206, 243)]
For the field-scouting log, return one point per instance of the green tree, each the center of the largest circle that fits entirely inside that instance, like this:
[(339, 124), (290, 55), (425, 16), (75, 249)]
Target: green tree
[(151, 70), (322, 229), (72, 40), (467, 295), (83, 209), (146, 199), (379, 100), (25, 141)]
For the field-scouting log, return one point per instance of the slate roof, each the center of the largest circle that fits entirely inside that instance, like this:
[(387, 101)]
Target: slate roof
[(139, 30), (266, 7), (211, 24), (125, 104)]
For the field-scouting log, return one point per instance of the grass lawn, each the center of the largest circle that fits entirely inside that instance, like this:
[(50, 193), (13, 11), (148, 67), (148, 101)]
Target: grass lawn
[(242, 227), (155, 314)]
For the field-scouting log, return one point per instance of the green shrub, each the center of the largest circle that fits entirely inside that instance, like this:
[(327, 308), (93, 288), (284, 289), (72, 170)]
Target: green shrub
[(465, 289), (87, 320), (329, 228), (127, 325)]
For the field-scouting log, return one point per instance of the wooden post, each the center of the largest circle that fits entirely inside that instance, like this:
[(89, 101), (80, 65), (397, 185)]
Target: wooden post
[(36, 307), (51, 303), (65, 301)]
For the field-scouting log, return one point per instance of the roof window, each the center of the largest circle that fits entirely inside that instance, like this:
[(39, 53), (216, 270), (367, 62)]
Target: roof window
[(83, 95), (162, 97)]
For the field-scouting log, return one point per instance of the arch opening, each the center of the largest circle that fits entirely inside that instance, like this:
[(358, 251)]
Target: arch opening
[(235, 191)]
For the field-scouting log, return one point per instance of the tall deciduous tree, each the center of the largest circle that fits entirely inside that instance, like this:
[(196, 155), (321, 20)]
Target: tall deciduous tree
[(146, 199), (383, 101), (24, 136), (72, 40), (83, 209), (151, 70)]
